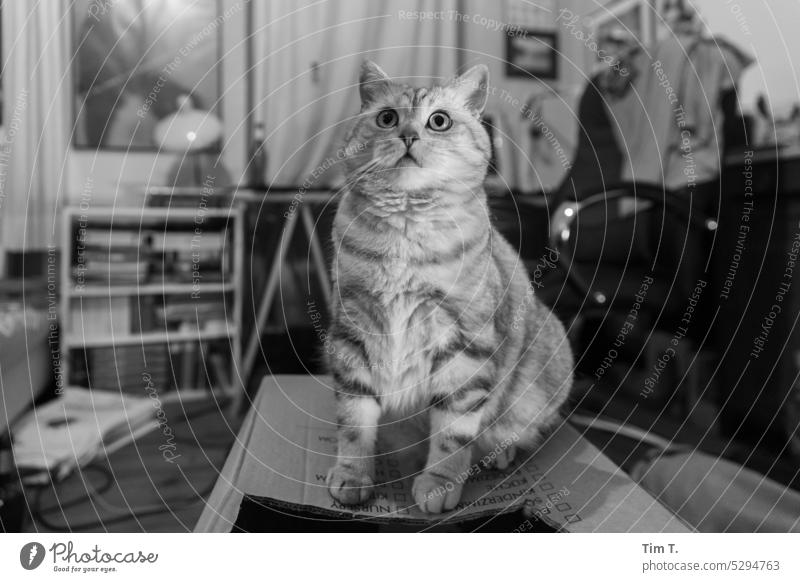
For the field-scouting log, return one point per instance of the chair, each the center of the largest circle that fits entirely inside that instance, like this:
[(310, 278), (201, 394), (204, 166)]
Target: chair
[(657, 203), (631, 264)]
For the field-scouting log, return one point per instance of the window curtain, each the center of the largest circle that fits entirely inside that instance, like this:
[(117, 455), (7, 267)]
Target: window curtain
[(36, 120), (307, 57)]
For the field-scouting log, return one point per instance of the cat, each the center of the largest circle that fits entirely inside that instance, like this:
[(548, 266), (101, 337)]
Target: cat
[(434, 320)]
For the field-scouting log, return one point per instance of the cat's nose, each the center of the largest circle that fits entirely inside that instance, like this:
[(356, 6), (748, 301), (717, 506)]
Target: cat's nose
[(409, 137)]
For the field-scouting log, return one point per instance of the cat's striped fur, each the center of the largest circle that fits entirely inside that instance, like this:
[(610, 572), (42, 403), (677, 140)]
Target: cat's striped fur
[(427, 297)]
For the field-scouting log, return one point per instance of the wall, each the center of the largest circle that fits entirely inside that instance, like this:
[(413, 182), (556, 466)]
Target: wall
[(768, 30), (765, 29), (526, 166)]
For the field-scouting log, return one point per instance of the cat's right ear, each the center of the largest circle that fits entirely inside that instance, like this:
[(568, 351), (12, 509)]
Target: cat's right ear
[(474, 87), (372, 82)]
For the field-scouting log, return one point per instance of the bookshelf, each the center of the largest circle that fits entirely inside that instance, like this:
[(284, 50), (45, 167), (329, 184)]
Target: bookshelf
[(152, 296)]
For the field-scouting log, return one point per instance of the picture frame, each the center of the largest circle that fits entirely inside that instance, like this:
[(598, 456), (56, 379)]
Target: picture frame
[(135, 62), (532, 53)]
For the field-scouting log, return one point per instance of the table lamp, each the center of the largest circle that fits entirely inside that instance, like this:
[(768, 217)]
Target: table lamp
[(190, 133)]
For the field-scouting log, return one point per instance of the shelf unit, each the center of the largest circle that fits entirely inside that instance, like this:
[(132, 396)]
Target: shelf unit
[(153, 289)]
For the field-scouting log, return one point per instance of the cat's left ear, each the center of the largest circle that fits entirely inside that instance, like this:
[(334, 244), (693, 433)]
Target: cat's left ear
[(372, 82), (474, 88)]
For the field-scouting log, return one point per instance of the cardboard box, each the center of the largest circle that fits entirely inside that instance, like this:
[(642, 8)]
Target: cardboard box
[(288, 443)]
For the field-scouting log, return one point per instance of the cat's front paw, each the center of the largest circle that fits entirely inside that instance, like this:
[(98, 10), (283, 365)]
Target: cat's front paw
[(349, 486), (436, 493)]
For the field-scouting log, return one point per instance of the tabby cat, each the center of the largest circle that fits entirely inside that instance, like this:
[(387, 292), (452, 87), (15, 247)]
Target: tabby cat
[(434, 320)]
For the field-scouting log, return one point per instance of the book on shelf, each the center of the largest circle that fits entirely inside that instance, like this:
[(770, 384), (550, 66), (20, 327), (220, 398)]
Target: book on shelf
[(118, 274), (94, 316), (109, 255), (111, 264), (112, 238), (176, 311), (188, 241), (191, 263)]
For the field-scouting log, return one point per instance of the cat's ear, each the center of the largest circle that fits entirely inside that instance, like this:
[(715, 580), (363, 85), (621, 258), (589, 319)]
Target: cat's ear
[(372, 82), (474, 88)]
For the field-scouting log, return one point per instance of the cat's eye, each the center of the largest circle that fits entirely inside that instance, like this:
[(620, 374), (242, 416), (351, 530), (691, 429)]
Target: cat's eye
[(439, 121), (387, 118)]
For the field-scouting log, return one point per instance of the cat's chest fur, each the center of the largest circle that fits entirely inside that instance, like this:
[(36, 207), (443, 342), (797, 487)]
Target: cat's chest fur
[(412, 323), (415, 327)]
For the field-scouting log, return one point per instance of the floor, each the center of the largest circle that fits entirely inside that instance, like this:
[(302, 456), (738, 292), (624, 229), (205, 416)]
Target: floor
[(136, 489)]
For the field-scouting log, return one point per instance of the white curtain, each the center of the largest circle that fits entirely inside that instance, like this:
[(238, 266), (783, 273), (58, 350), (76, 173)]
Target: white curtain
[(307, 58), (36, 120)]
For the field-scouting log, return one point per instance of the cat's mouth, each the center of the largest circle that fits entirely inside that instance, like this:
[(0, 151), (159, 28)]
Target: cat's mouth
[(407, 160)]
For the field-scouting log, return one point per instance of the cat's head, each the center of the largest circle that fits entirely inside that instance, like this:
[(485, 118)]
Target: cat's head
[(408, 138)]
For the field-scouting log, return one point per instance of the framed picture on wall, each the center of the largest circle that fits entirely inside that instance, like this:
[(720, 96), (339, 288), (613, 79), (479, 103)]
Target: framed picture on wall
[(532, 53), (138, 62)]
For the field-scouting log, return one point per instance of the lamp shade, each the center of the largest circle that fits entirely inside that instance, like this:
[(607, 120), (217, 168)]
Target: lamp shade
[(188, 130)]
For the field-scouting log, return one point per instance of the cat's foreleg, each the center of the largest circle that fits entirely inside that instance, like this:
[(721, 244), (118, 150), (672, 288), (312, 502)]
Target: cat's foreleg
[(456, 410), (358, 410)]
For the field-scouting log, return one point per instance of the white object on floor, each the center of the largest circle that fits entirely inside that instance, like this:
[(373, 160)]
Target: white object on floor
[(716, 495), (54, 439)]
